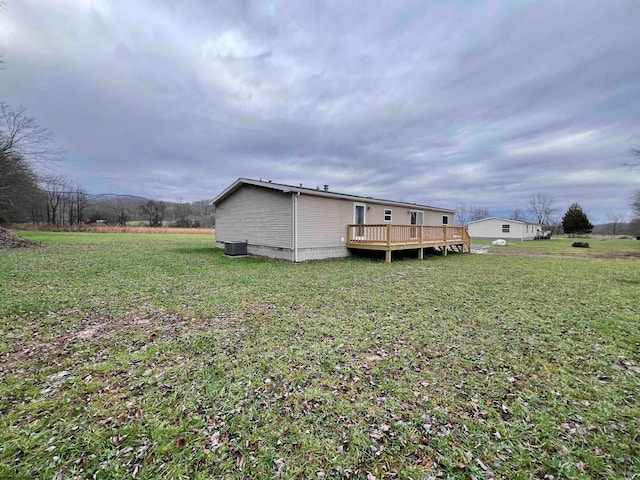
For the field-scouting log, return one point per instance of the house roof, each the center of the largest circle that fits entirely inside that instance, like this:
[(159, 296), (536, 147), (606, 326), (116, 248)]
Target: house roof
[(317, 192), (504, 220)]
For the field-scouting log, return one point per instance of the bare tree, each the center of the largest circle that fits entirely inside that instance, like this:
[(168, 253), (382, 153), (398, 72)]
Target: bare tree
[(541, 207), (24, 146), (82, 200), (634, 224), (38, 209), (635, 153), (519, 215), (154, 210), (635, 203), (21, 135), (76, 201), (478, 213), (469, 213), (203, 213), (182, 214), (18, 188), (121, 208), (462, 214), (615, 221), (56, 187)]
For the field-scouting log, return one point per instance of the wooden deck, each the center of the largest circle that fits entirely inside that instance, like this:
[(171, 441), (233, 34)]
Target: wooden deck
[(387, 238)]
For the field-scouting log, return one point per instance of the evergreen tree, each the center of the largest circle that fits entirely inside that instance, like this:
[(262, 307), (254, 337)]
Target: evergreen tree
[(576, 221)]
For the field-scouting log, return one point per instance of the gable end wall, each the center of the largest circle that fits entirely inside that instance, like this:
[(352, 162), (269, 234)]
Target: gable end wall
[(262, 217)]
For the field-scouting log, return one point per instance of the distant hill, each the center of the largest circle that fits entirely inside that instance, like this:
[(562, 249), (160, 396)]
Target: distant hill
[(110, 196)]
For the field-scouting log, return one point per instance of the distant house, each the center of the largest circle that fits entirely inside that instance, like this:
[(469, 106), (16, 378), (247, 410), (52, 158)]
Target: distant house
[(299, 224), (495, 227)]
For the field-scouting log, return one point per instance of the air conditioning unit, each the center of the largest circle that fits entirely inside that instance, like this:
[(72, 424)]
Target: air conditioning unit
[(235, 249)]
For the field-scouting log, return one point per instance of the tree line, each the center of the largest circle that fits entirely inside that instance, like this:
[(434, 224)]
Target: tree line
[(123, 210), (31, 193)]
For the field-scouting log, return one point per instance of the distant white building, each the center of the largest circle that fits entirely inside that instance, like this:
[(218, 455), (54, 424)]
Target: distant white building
[(496, 227)]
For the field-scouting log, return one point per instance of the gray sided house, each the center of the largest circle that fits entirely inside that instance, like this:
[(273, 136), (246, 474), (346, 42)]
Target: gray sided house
[(299, 224)]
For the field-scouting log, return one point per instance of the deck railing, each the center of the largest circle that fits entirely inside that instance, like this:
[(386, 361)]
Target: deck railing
[(390, 235)]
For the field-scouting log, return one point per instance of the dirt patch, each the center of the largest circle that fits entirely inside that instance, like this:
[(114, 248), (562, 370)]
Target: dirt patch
[(9, 240), (89, 332), (132, 331), (617, 254), (157, 326)]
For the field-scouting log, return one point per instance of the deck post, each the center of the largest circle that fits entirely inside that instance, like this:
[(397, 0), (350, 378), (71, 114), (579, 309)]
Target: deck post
[(421, 236), (387, 257), (444, 236), (421, 253), (389, 235)]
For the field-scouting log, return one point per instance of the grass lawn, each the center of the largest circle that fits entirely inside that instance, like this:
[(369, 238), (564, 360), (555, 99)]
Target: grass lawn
[(561, 246), (154, 356)]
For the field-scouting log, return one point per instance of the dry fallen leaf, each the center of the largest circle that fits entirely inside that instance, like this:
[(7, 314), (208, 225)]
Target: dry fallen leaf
[(215, 439), (239, 458)]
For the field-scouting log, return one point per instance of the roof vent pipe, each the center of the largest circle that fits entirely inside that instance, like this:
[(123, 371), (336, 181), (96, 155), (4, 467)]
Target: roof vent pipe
[(326, 187)]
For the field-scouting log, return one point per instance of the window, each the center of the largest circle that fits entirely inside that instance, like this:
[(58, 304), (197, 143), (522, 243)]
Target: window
[(505, 228), (387, 214), (445, 219)]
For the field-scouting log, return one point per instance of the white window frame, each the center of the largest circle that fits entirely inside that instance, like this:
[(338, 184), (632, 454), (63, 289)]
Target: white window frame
[(506, 228), (443, 219), (388, 212)]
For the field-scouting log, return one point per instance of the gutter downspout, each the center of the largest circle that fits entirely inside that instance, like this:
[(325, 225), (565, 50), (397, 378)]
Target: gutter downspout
[(295, 225)]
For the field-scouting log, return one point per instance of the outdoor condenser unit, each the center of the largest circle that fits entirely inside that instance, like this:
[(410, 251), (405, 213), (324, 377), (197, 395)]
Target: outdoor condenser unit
[(234, 249)]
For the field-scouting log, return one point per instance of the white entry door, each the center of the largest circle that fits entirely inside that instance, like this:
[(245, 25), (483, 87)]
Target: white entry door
[(416, 218)]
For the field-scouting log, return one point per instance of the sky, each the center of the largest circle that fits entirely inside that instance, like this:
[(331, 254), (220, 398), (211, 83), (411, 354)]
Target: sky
[(440, 102)]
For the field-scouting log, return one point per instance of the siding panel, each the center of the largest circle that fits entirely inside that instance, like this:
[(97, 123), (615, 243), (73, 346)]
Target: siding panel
[(322, 222), (257, 215)]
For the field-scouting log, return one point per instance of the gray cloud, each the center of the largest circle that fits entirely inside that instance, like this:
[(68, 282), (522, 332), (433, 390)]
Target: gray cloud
[(439, 103)]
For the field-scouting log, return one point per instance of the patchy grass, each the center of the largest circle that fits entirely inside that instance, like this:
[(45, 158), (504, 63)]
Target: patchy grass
[(154, 356), (561, 246)]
